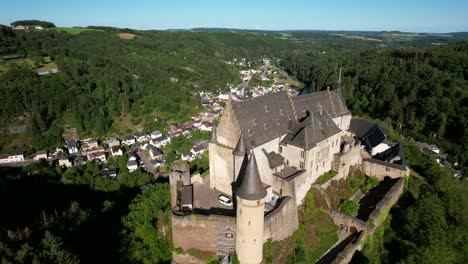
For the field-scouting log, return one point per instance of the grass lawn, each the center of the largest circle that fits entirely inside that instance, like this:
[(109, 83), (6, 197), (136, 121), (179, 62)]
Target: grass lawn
[(4, 66), (325, 177)]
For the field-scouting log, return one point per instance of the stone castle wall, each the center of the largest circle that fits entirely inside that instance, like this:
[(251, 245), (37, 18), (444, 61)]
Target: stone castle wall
[(221, 168), (282, 221), (379, 169), (390, 198)]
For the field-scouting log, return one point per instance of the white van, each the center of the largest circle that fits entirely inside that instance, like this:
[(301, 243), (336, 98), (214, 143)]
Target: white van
[(224, 200)]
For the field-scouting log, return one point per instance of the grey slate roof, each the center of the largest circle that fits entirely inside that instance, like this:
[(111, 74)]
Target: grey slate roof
[(251, 187), (274, 159), (331, 102), (369, 133), (240, 147), (314, 128), (360, 127), (394, 155), (263, 118)]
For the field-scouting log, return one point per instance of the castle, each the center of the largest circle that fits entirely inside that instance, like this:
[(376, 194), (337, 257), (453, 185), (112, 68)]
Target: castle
[(266, 153)]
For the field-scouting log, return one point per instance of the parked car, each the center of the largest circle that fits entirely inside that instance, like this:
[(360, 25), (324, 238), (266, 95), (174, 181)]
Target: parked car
[(225, 200)]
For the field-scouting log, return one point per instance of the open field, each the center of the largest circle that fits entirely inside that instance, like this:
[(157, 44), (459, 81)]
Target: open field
[(127, 35), (73, 30), (22, 62)]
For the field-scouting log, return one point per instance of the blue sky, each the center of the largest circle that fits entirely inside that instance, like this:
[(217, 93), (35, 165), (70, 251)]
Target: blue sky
[(409, 15)]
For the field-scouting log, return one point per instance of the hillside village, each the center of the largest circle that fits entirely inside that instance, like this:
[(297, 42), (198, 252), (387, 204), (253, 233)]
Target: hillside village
[(144, 150)]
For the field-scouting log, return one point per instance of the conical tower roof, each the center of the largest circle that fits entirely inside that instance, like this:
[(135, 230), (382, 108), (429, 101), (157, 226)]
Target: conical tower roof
[(241, 146), (213, 134), (251, 187)]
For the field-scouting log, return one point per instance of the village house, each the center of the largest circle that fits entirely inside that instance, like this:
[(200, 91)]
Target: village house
[(200, 148), (155, 134), (109, 173), (88, 144), (42, 154), (223, 96), (132, 165), (154, 152), (130, 140), (112, 142), (98, 156), (116, 151), (206, 126), (64, 161), (187, 156), (16, 156), (72, 146), (142, 137), (161, 141), (4, 158)]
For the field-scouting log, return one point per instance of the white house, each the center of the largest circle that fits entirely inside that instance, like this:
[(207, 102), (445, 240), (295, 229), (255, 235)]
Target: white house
[(155, 153), (4, 158), (112, 142), (72, 146), (132, 165), (88, 144), (64, 161), (142, 137), (205, 126), (42, 154), (109, 173), (16, 156), (99, 156), (130, 140), (116, 151), (155, 134), (187, 156), (223, 96), (199, 149)]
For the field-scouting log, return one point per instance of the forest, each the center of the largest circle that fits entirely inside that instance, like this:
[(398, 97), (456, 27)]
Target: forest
[(108, 85), (44, 24)]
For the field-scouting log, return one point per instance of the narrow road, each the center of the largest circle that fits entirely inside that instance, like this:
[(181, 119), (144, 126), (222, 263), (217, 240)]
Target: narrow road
[(149, 166), (23, 163)]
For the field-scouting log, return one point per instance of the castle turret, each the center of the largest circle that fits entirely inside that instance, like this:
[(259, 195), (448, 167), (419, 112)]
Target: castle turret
[(250, 215), (238, 156)]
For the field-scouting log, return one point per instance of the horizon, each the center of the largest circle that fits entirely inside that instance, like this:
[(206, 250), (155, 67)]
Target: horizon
[(431, 16)]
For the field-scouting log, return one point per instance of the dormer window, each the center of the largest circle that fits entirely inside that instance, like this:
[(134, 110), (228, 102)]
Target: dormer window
[(281, 111), (265, 126), (267, 109), (254, 121)]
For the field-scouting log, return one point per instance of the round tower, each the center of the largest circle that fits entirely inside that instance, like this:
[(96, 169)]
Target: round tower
[(250, 215), (238, 157)]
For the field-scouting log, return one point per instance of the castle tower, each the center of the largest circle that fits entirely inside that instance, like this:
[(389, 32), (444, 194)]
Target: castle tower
[(250, 216), (238, 156)]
